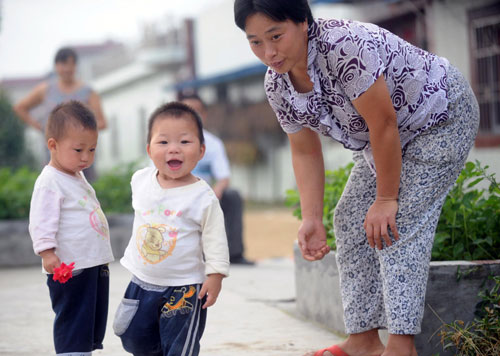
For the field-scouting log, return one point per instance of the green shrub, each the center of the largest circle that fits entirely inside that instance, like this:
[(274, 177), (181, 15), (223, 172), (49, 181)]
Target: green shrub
[(16, 187), (481, 337), (335, 182), (469, 225), (113, 190), (13, 152)]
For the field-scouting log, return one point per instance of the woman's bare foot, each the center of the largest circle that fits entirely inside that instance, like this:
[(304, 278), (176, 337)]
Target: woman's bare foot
[(400, 345), (363, 344)]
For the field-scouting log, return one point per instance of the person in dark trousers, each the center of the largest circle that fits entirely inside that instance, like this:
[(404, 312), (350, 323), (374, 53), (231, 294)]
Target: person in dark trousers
[(214, 168)]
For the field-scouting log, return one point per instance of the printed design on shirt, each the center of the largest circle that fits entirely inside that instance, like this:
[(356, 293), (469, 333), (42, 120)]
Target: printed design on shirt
[(83, 201), (99, 223), (178, 302), (156, 242)]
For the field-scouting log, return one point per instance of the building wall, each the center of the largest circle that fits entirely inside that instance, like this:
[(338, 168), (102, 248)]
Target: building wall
[(127, 109), (225, 49)]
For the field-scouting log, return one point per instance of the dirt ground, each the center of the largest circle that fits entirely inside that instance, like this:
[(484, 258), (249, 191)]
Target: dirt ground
[(269, 232)]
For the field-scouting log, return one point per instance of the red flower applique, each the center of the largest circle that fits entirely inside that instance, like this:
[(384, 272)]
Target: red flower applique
[(64, 272)]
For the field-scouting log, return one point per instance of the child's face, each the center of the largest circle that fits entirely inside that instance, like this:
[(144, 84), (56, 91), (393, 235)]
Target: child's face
[(74, 151), (175, 149)]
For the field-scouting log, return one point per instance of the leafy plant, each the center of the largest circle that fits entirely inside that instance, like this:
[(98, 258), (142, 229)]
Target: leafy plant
[(13, 152), (113, 190), (16, 187), (481, 337), (469, 224), (335, 182)]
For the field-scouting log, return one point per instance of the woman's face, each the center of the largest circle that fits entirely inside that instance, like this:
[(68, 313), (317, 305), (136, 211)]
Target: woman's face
[(66, 70), (279, 45)]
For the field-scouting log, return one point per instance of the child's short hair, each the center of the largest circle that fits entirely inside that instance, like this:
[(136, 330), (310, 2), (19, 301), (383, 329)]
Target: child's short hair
[(73, 112), (178, 110)]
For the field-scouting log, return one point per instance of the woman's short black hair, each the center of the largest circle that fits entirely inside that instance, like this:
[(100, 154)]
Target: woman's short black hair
[(297, 11), (65, 53), (177, 110)]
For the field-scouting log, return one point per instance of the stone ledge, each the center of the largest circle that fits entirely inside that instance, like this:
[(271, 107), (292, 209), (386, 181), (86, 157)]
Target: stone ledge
[(16, 248), (452, 293)]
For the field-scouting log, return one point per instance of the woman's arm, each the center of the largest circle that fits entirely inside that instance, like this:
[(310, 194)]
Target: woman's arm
[(32, 100), (95, 106), (376, 107), (307, 160)]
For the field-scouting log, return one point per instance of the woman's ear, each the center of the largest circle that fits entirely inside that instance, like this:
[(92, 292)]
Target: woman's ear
[(305, 25)]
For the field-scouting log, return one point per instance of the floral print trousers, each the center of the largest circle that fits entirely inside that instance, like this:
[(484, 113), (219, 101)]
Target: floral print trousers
[(386, 288)]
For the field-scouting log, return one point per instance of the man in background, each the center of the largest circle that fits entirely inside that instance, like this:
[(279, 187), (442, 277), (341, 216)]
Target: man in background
[(214, 169)]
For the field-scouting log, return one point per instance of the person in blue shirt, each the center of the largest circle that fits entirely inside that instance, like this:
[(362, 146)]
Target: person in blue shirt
[(214, 169)]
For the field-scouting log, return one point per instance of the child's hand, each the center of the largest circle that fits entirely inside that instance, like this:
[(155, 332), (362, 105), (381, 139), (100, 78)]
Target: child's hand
[(211, 289), (50, 260)]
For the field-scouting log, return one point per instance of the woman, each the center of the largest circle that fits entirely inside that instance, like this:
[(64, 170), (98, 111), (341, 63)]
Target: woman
[(411, 119), (63, 88)]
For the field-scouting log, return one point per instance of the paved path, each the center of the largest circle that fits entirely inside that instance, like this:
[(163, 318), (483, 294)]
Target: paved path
[(255, 314)]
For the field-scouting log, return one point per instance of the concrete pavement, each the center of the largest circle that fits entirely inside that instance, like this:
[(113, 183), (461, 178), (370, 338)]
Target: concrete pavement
[(254, 315)]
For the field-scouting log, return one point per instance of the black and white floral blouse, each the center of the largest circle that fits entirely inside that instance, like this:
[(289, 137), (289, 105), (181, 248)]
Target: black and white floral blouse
[(344, 59)]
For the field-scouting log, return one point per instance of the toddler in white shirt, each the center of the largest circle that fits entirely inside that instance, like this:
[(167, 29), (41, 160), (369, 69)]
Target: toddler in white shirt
[(68, 225), (178, 251)]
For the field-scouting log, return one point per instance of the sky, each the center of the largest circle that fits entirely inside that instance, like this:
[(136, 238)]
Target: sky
[(31, 31)]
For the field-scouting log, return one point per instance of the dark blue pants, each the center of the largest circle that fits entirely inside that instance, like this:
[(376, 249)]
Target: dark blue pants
[(81, 307), (160, 321)]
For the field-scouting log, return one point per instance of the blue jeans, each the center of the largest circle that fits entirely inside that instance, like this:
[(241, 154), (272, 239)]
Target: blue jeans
[(160, 321), (81, 307)]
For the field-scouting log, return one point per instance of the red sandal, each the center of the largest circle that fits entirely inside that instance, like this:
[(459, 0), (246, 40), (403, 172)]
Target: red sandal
[(334, 350)]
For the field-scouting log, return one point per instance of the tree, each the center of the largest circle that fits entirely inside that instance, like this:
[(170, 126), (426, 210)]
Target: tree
[(13, 152)]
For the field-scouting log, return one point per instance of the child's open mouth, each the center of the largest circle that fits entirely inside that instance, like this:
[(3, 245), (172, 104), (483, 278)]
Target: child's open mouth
[(174, 164)]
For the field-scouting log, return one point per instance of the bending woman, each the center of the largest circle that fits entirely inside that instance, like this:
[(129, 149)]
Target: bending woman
[(409, 116)]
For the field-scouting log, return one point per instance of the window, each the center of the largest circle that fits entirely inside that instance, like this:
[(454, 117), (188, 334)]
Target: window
[(485, 54)]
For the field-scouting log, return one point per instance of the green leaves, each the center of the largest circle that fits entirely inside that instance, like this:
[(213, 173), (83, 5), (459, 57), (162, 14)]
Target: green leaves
[(481, 337), (13, 152), (16, 186), (335, 182), (469, 224), (15, 192), (113, 190)]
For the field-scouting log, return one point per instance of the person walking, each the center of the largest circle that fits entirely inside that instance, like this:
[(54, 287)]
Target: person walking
[(214, 168)]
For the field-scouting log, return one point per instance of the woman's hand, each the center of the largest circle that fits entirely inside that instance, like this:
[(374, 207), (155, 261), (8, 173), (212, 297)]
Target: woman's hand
[(382, 213), (312, 239)]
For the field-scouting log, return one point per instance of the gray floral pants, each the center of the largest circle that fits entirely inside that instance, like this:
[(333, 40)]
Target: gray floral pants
[(386, 288)]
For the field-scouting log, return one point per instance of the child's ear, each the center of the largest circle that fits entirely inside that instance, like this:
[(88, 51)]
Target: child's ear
[(202, 151), (51, 143), (148, 149)]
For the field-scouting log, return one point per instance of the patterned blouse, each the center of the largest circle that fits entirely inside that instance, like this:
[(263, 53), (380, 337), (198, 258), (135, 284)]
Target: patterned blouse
[(344, 59)]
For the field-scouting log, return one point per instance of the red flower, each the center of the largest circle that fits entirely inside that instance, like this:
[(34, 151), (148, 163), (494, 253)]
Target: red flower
[(64, 272)]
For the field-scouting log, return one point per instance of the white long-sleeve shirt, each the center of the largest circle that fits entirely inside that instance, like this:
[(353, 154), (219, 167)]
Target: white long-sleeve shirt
[(66, 215), (178, 234)]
